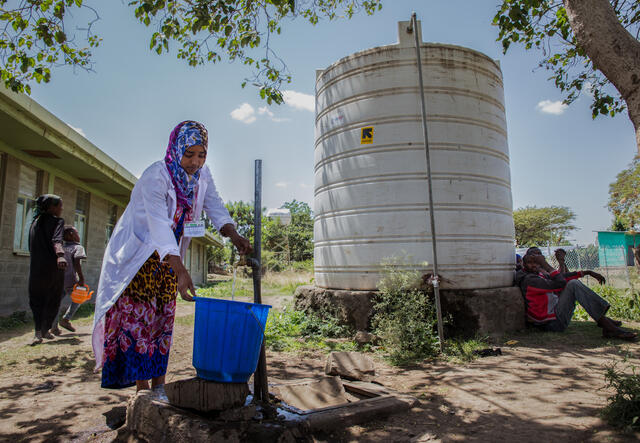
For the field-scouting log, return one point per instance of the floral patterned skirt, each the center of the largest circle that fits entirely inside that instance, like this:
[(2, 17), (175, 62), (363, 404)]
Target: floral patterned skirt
[(139, 326)]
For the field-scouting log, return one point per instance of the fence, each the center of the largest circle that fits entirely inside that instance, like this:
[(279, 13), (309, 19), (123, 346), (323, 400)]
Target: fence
[(612, 263)]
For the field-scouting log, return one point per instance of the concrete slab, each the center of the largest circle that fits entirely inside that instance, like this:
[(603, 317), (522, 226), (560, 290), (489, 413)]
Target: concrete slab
[(350, 365), (149, 420), (312, 393)]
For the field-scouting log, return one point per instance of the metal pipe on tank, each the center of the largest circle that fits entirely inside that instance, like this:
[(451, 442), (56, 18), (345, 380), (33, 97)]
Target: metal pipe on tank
[(435, 277), (260, 384)]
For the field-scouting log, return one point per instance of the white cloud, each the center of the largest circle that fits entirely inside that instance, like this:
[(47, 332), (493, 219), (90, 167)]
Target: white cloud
[(282, 184), (265, 111), (78, 130), (551, 107), (304, 185), (244, 113), (299, 100)]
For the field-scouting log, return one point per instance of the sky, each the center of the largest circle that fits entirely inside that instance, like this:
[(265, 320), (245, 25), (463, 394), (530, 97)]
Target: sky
[(129, 104)]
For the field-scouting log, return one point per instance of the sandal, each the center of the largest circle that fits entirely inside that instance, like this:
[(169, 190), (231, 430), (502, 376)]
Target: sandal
[(619, 333), (37, 339)]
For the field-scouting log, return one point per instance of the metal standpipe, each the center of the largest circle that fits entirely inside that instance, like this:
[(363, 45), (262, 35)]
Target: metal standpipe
[(435, 279), (260, 385)]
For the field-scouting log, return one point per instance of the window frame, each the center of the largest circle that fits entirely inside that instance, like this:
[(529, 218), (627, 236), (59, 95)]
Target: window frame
[(24, 217), (112, 220), (82, 215), (187, 258)]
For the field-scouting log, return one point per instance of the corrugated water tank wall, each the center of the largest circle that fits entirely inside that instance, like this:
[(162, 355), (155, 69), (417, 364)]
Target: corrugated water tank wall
[(371, 201)]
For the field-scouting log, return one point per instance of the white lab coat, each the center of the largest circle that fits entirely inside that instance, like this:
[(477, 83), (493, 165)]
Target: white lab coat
[(145, 227)]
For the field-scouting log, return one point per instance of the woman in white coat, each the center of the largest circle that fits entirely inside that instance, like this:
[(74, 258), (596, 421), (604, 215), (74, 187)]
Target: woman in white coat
[(142, 269)]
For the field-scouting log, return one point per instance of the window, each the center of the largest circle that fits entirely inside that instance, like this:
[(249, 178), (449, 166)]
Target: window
[(82, 212), (112, 217), (27, 192)]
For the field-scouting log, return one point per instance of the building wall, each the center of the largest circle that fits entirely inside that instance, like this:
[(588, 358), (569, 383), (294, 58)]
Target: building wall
[(196, 268), (614, 248), (14, 267)]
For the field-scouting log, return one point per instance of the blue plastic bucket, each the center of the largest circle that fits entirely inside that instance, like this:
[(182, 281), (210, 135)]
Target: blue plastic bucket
[(227, 339)]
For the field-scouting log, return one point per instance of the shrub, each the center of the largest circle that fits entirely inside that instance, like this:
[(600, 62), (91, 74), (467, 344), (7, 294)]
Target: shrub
[(405, 317), (13, 321), (305, 265), (625, 303), (623, 408)]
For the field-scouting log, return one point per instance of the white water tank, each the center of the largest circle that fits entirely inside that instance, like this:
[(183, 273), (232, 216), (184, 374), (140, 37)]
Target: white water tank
[(371, 195), (282, 214)]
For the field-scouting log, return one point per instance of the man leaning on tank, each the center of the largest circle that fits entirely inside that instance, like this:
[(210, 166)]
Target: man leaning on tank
[(551, 299)]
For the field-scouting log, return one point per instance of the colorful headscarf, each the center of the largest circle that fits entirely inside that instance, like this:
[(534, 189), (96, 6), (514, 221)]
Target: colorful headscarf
[(186, 134)]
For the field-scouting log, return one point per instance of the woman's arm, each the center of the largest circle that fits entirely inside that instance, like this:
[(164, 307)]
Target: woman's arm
[(185, 284), (56, 242), (242, 244), (153, 192)]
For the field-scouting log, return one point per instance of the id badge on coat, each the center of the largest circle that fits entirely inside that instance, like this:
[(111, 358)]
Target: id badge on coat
[(194, 229)]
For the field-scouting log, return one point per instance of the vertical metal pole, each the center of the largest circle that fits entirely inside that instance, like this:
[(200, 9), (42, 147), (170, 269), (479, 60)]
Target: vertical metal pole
[(435, 281), (578, 254), (257, 232), (260, 384), (626, 268)]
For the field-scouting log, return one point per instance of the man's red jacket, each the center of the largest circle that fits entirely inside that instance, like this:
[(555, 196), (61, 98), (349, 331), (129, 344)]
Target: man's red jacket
[(540, 293)]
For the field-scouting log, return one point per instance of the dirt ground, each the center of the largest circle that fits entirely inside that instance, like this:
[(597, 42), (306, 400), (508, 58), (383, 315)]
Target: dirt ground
[(544, 387)]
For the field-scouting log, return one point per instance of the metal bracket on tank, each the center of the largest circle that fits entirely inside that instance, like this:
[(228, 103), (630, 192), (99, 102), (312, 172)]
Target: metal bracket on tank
[(405, 29)]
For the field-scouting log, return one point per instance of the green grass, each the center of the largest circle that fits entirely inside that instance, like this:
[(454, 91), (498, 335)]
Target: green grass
[(461, 350), (14, 321), (625, 303), (290, 330), (273, 284), (222, 289), (22, 320), (185, 320), (53, 356)]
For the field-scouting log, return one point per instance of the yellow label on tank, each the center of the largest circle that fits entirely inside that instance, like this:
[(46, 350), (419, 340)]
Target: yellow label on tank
[(366, 135)]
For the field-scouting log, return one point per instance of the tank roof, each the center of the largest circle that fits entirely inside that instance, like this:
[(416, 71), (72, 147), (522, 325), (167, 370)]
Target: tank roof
[(405, 40)]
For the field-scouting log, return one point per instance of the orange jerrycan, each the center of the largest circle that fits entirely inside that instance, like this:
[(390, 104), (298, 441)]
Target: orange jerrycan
[(80, 294)]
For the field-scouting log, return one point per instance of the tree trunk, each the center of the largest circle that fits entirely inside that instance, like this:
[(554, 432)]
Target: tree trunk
[(613, 50)]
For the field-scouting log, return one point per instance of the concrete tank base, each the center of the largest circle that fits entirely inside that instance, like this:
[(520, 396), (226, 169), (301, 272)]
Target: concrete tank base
[(484, 311), (473, 311), (353, 308)]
